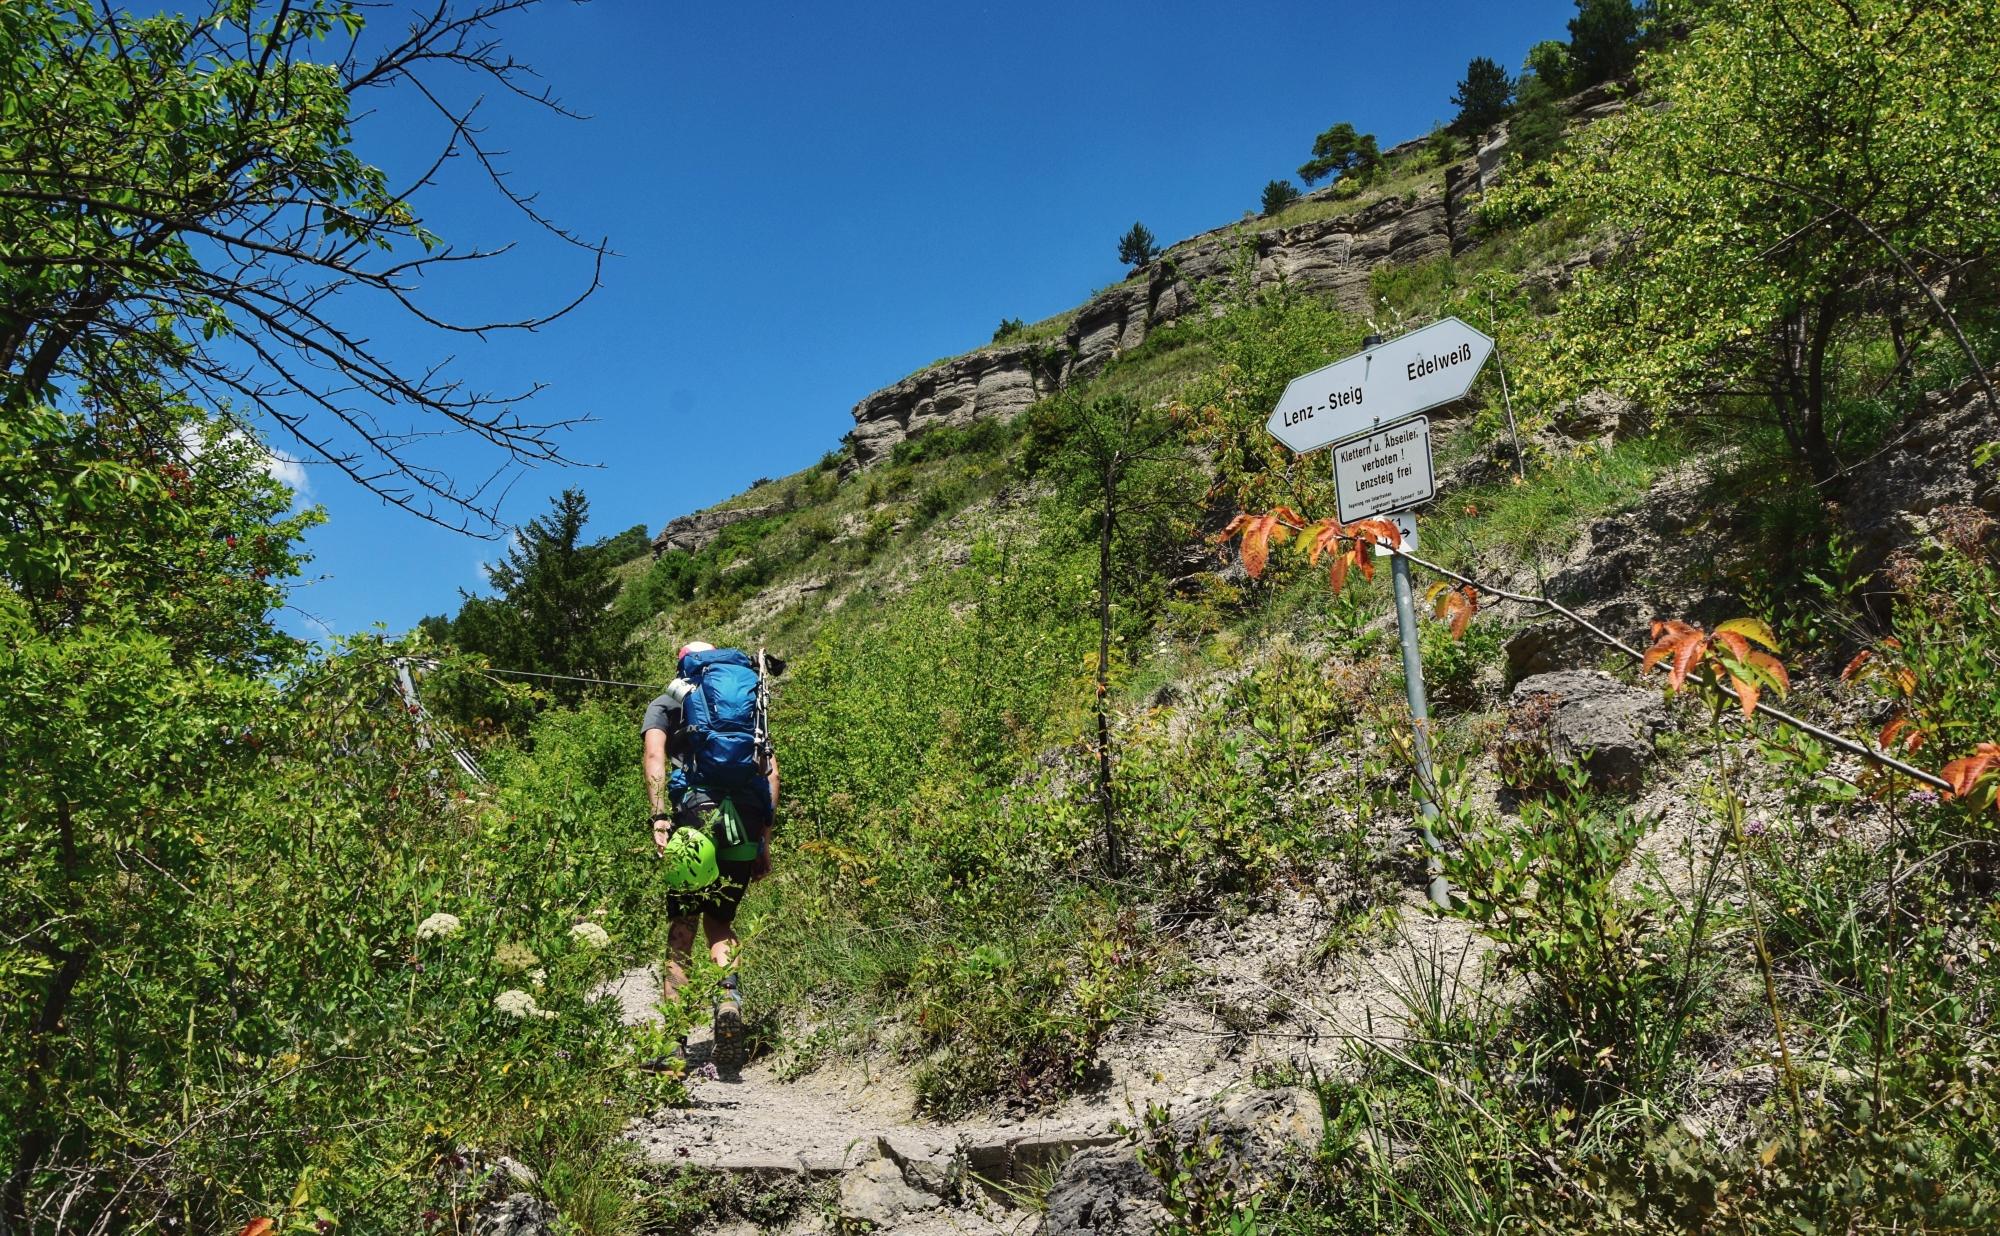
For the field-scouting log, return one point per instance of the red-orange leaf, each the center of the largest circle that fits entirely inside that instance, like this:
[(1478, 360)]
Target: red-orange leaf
[(1966, 774), (1854, 667), (260, 1226), (1468, 605), (1337, 571), (1774, 667), (1738, 646), (1686, 656), (1897, 724), (1257, 543), (1325, 539), (1747, 691)]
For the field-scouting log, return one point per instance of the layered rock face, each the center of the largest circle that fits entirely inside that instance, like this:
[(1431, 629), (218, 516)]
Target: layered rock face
[(1328, 257), (690, 533)]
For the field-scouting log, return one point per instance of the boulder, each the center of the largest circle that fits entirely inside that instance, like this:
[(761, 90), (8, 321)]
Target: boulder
[(1584, 717), (888, 1185), (1107, 1191), (516, 1214), (1104, 1191)]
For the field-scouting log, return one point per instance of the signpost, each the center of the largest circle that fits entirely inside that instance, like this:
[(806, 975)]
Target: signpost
[(1383, 384), (1367, 408)]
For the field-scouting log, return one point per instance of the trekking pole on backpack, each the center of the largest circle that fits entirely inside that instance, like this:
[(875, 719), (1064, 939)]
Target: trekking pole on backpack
[(763, 713)]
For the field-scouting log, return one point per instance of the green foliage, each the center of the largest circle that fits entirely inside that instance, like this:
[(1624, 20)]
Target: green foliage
[(554, 615), (1548, 63), (1483, 96), (1343, 154), (1260, 346), (1278, 194), (1008, 328), (1539, 125), (625, 546), (1545, 892), (1136, 248), (1603, 41), (1738, 290), (977, 439), (190, 141), (220, 854)]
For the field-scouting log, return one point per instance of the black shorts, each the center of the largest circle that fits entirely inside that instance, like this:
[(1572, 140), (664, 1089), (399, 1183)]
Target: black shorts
[(720, 898)]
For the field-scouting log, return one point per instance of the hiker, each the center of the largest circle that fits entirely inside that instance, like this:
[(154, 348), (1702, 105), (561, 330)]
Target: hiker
[(712, 814)]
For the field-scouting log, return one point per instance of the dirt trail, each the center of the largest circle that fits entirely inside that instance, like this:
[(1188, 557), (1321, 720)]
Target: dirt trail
[(1259, 1001)]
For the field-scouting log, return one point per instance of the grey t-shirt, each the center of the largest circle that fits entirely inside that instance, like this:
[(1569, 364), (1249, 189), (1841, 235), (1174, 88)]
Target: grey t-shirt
[(662, 714)]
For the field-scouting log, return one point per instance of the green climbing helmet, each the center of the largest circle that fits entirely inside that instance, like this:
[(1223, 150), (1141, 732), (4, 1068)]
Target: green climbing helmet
[(690, 858)]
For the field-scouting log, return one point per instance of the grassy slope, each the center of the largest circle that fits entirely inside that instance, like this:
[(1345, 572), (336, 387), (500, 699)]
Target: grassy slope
[(937, 896)]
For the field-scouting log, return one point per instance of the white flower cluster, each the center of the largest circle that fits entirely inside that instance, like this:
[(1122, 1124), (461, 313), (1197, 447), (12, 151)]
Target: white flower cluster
[(520, 1005), (438, 926), (590, 935)]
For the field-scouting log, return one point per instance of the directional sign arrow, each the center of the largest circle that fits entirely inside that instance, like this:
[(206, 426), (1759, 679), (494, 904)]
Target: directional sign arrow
[(1391, 381)]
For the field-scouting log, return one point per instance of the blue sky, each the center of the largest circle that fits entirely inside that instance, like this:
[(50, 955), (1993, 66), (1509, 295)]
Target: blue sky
[(808, 202)]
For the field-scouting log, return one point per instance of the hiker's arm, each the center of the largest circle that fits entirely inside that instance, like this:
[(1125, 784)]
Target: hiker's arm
[(655, 764), (772, 777)]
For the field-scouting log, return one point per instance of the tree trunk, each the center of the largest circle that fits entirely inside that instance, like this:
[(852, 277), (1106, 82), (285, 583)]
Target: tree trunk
[(1819, 454)]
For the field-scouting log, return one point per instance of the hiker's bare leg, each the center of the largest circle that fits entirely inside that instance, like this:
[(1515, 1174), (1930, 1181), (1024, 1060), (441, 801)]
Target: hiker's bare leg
[(721, 939), (680, 949)]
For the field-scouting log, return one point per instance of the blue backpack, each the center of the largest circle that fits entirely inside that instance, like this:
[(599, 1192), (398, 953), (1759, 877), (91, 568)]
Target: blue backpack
[(722, 729)]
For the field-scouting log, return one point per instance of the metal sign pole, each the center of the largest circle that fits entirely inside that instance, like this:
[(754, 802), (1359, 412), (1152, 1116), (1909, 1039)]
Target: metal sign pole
[(1420, 712), (1420, 724)]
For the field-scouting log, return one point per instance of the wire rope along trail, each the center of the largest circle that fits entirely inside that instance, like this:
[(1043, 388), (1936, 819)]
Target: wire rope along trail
[(1598, 633)]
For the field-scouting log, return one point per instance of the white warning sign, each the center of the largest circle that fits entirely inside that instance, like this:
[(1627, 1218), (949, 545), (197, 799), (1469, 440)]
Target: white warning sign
[(1388, 470)]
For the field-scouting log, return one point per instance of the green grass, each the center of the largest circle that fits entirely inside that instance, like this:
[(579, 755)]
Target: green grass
[(1540, 518)]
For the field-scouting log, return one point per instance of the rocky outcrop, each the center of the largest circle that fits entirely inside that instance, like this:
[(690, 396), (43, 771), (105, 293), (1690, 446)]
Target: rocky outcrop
[(1926, 486), (1328, 257), (1580, 717), (691, 533)]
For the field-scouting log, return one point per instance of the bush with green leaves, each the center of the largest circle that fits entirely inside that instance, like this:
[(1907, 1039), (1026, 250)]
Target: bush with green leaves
[(239, 880)]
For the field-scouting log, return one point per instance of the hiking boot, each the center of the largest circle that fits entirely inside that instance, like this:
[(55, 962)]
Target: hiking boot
[(732, 1046)]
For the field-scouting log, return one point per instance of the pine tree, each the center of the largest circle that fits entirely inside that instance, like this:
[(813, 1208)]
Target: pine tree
[(556, 593), (1343, 153), (1483, 97), (1136, 248), (1279, 194), (1603, 41)]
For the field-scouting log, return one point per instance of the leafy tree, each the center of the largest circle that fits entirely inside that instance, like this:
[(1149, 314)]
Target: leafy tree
[(1342, 153), (1804, 196), (1121, 461), (1548, 63), (1008, 328), (625, 546), (1279, 194), (1136, 247), (1603, 40), (184, 201), (1483, 96), (1538, 127)]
